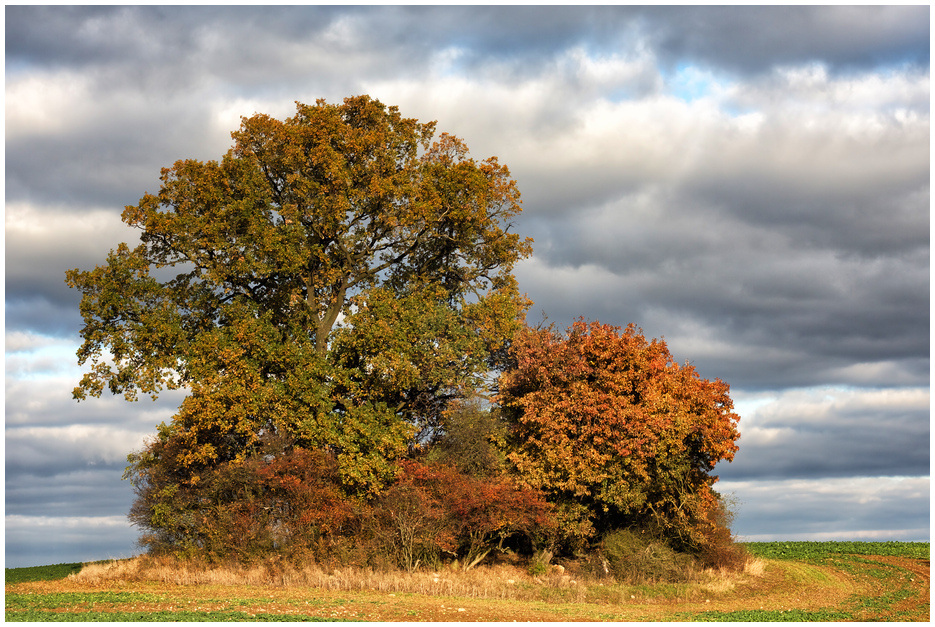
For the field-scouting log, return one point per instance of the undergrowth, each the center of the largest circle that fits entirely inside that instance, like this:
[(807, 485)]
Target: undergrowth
[(509, 579)]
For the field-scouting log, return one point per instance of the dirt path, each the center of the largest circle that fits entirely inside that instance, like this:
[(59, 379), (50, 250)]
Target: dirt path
[(912, 598)]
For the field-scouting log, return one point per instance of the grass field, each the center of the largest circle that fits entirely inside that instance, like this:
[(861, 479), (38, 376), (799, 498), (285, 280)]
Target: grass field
[(785, 581)]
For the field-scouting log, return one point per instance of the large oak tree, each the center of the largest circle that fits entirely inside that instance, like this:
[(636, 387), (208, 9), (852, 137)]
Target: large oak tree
[(336, 278)]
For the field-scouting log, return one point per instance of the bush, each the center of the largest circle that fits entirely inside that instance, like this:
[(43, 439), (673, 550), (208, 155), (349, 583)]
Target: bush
[(285, 502), (636, 557), (539, 563), (434, 510), (411, 525), (717, 547)]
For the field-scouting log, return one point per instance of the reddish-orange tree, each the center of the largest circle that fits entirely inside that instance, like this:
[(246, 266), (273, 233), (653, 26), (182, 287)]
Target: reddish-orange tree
[(616, 432)]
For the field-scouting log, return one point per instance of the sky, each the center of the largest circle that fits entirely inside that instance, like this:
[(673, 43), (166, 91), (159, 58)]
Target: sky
[(749, 183)]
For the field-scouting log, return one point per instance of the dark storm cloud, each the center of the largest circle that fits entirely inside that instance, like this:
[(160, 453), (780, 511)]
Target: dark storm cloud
[(746, 39), (775, 309), (171, 50), (180, 42), (756, 38), (75, 36), (114, 156), (58, 317), (41, 245), (34, 540), (97, 491)]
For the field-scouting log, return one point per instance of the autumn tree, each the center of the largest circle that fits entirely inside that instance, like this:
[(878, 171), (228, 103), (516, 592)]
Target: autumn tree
[(336, 278), (617, 433)]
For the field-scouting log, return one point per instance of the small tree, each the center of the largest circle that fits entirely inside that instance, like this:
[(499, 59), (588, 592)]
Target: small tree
[(615, 432)]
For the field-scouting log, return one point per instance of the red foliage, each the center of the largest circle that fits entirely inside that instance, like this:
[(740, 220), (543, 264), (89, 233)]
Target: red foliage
[(470, 516), (304, 488)]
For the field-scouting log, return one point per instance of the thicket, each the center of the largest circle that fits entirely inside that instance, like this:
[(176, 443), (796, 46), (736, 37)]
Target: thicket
[(335, 294), (294, 505)]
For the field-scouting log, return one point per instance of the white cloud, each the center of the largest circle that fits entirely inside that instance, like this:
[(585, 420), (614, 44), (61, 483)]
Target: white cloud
[(27, 342), (854, 508), (36, 231), (830, 406), (89, 444), (47, 103), (52, 360), (64, 522)]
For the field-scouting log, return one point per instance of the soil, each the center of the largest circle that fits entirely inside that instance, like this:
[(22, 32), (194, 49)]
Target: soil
[(916, 605)]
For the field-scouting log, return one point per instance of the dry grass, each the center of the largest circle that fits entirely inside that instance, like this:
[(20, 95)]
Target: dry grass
[(718, 581), (755, 567), (497, 581)]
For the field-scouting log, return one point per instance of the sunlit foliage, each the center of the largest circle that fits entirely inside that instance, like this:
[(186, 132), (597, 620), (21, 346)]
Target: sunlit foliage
[(616, 432), (247, 266)]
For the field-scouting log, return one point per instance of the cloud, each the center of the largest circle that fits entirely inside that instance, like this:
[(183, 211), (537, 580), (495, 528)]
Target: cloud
[(46, 241), (87, 492), (833, 433), (848, 37), (32, 540), (48, 434), (44, 450), (854, 508), (98, 145)]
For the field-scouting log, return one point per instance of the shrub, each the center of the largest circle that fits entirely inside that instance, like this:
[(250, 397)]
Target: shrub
[(281, 501), (411, 524), (637, 557), (539, 563), (434, 510), (718, 547), (302, 490)]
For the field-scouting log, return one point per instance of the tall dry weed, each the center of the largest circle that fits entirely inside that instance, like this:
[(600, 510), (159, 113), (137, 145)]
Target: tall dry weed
[(501, 580)]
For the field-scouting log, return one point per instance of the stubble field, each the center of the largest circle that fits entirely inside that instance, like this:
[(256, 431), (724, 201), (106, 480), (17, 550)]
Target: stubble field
[(791, 581)]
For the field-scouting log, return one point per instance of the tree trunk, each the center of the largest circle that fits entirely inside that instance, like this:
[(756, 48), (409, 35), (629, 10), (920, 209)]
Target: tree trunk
[(330, 317)]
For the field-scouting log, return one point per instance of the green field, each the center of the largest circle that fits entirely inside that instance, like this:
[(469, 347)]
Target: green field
[(799, 582), (817, 551)]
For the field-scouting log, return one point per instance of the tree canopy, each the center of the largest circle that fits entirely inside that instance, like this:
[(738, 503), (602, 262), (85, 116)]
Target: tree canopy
[(337, 276), (616, 432)]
